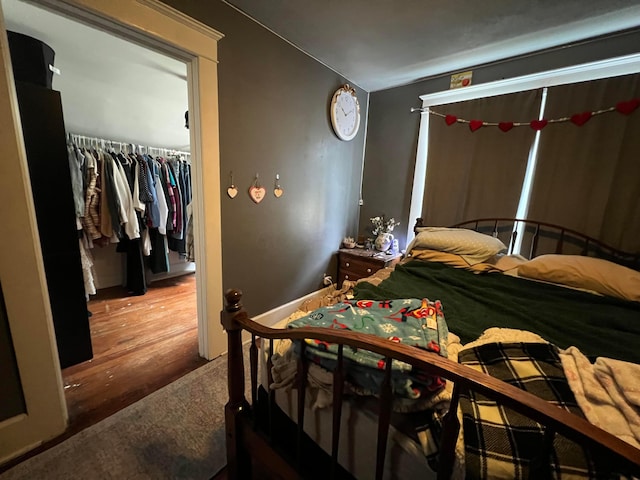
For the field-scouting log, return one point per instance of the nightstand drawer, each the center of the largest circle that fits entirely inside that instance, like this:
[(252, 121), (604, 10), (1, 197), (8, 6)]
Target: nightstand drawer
[(360, 266), (356, 264)]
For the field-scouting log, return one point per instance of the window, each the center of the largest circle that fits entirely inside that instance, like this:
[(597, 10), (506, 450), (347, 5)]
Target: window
[(424, 187)]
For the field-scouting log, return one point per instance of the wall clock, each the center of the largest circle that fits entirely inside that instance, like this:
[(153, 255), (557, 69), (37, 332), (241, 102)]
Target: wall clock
[(345, 113)]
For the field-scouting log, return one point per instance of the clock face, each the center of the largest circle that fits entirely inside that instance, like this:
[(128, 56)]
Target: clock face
[(345, 113)]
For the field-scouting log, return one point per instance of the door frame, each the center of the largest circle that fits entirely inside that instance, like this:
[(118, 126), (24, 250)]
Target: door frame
[(155, 25)]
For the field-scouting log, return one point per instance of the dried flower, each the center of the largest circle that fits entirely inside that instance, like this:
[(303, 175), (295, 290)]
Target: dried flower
[(380, 225)]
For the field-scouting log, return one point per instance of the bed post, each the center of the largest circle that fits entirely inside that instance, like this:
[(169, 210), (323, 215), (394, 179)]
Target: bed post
[(238, 460)]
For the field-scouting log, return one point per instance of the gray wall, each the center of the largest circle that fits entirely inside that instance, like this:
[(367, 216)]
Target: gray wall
[(393, 132), (274, 119)]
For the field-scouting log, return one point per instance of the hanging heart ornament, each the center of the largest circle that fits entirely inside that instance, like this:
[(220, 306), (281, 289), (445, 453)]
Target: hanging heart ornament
[(277, 191), (505, 126), (232, 191), (450, 119), (475, 125), (257, 193)]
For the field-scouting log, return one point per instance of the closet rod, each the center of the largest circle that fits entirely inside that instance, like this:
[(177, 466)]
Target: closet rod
[(83, 140)]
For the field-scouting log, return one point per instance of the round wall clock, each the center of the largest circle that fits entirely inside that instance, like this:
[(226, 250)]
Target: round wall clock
[(345, 113)]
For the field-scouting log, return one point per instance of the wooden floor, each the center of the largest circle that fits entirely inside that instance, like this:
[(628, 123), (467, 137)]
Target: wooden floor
[(140, 344)]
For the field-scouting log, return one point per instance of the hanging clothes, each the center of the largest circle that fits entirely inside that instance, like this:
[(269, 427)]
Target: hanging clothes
[(76, 159), (91, 218), (135, 200), (153, 214)]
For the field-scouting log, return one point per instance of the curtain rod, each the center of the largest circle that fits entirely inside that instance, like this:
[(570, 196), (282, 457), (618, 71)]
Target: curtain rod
[(134, 147)]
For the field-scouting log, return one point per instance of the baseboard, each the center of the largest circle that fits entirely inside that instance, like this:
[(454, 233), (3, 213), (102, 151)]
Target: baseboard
[(270, 318), (273, 316), (176, 271)]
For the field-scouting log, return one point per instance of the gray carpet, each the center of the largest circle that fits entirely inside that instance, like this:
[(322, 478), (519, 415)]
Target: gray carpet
[(176, 432)]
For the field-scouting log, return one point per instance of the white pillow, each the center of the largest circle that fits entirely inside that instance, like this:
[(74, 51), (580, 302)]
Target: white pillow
[(473, 246)]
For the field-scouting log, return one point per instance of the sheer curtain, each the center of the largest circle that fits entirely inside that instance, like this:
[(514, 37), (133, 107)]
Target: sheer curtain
[(478, 174), (588, 178)]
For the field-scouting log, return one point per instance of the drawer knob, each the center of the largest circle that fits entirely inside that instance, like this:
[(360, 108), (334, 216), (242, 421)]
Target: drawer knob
[(346, 277), (368, 270), (347, 264)]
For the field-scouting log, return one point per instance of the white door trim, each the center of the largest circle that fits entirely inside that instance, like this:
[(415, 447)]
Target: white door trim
[(164, 29), (24, 286)]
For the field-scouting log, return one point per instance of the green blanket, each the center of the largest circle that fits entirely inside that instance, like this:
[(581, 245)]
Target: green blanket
[(597, 325)]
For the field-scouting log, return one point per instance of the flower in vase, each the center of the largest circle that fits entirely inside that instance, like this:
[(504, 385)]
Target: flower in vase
[(380, 225)]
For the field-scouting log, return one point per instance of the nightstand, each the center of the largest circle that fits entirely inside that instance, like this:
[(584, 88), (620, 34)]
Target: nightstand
[(357, 263)]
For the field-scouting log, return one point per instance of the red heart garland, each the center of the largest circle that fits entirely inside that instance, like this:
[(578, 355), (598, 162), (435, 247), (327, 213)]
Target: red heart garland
[(581, 118), (538, 124), (627, 107), (450, 119), (505, 126), (475, 125)]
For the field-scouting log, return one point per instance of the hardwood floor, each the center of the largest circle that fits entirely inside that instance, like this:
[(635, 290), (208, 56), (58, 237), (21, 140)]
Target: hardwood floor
[(140, 344)]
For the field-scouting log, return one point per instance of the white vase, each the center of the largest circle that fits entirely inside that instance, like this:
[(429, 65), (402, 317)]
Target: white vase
[(384, 241)]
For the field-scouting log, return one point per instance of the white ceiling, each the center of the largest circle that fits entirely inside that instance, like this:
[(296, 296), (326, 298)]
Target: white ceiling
[(110, 88), (379, 44)]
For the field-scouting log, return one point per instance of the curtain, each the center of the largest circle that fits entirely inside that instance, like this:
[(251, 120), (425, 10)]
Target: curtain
[(478, 174), (588, 178)]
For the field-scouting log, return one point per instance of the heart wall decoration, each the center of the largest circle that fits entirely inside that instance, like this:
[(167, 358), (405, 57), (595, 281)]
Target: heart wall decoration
[(256, 191), (277, 190), (257, 194), (232, 191)]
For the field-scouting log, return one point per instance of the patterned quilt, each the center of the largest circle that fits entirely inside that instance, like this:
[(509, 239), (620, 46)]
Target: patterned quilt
[(500, 443), (411, 321)]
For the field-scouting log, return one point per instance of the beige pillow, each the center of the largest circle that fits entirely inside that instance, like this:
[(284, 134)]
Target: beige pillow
[(507, 263), (588, 273), (473, 246)]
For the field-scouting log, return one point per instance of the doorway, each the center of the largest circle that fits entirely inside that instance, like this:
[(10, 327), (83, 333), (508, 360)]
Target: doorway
[(171, 33), (110, 88)]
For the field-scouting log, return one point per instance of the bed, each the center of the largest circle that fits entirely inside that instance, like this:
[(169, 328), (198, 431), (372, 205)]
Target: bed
[(561, 332)]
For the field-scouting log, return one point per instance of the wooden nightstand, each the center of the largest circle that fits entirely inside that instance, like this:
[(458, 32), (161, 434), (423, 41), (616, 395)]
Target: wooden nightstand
[(357, 263)]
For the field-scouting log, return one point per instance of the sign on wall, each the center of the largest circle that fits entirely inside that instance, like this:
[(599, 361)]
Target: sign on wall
[(459, 80)]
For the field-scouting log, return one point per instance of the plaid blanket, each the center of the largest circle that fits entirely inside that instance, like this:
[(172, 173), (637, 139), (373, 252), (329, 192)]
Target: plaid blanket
[(501, 443)]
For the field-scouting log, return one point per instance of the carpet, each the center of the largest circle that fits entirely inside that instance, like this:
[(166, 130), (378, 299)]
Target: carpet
[(176, 432)]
